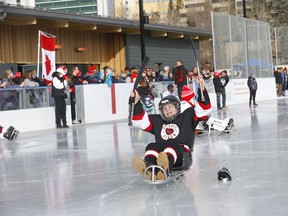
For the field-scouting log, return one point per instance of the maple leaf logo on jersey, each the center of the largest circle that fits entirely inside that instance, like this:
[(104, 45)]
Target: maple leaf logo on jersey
[(169, 131)]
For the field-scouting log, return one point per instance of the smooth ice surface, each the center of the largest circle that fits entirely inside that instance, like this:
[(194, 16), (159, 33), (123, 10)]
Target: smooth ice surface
[(86, 170)]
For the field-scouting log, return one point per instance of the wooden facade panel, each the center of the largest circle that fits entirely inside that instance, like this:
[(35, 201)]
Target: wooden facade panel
[(20, 44)]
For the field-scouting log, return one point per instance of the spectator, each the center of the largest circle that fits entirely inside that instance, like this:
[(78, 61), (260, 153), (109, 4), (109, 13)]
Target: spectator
[(224, 81), (75, 79), (92, 76), (149, 74), (180, 75), (125, 75), (205, 73), (252, 84), (194, 78), (59, 86), (218, 88), (284, 83), (107, 76), (7, 81), (34, 78), (165, 75), (146, 97), (27, 81), (278, 80), (115, 78), (190, 76), (134, 72), (17, 78), (170, 90)]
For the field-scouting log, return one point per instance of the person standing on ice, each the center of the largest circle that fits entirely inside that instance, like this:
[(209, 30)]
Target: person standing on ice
[(173, 128)]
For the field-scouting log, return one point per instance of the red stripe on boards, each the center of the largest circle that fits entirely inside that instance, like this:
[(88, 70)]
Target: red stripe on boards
[(113, 99)]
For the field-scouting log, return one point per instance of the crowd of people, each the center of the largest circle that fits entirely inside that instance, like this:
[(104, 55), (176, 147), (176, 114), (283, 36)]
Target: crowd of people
[(281, 75), (179, 75)]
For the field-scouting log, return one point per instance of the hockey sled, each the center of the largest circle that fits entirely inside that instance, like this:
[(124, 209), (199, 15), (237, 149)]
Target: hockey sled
[(177, 175), (220, 126)]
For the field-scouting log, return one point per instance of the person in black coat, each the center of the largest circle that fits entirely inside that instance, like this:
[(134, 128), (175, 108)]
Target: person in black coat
[(218, 86), (224, 81), (252, 84), (180, 75), (278, 80), (59, 86)]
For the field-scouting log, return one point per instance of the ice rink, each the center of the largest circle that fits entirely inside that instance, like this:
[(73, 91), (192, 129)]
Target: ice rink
[(86, 170)]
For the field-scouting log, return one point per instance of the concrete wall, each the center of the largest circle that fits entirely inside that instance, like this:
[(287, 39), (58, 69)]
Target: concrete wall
[(101, 103)]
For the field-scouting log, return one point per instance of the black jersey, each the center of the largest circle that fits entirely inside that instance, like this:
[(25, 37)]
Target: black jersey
[(181, 130)]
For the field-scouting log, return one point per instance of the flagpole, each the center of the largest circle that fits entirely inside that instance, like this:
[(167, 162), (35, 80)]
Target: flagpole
[(38, 60)]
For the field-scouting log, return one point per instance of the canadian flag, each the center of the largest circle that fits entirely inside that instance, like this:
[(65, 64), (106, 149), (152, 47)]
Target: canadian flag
[(48, 55)]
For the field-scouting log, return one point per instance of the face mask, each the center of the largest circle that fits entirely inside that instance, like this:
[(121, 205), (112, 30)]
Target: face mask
[(108, 71), (60, 75), (11, 75)]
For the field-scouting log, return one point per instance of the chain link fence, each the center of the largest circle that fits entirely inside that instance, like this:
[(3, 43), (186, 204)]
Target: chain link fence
[(241, 46)]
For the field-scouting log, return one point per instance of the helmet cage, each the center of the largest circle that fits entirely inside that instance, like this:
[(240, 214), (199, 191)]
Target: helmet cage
[(170, 99)]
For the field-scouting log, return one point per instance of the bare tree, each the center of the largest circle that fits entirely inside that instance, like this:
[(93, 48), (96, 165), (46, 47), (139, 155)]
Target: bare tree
[(278, 10)]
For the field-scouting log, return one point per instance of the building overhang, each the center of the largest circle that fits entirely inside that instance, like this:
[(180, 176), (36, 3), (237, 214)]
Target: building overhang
[(19, 16)]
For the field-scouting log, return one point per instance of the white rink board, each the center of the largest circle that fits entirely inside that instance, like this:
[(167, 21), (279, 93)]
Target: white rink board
[(98, 104)]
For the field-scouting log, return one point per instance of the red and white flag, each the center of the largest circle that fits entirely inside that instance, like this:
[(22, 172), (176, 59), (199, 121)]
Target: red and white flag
[(48, 55)]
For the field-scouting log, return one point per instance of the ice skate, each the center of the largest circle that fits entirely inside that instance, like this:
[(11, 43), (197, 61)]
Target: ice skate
[(11, 133), (140, 166), (163, 162)]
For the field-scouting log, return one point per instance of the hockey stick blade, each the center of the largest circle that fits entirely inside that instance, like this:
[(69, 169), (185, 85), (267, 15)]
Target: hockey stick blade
[(141, 70), (138, 78)]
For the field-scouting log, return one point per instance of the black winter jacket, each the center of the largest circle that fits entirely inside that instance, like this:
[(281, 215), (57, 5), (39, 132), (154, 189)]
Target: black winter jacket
[(252, 83), (180, 74), (217, 84), (58, 88)]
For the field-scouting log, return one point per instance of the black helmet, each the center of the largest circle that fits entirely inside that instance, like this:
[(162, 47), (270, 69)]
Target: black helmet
[(170, 99)]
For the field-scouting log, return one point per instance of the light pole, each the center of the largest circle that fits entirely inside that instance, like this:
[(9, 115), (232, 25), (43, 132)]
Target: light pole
[(142, 41), (244, 8)]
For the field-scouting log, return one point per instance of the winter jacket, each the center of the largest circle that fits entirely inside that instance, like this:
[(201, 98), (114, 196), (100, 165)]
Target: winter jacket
[(225, 80), (252, 83), (59, 85), (181, 129), (278, 77), (180, 74), (217, 84)]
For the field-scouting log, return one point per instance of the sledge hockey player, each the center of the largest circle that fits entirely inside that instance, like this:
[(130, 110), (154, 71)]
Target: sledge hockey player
[(209, 123), (174, 130), (10, 133), (219, 125)]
